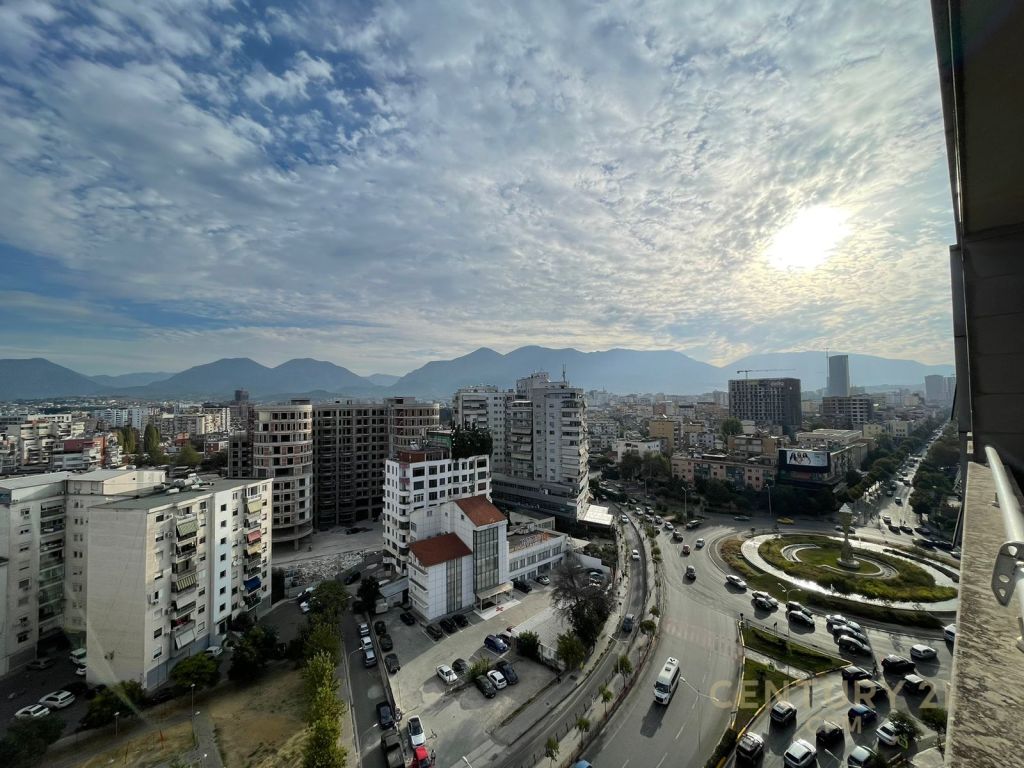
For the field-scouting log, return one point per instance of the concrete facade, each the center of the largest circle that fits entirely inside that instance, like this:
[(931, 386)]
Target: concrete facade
[(282, 450), (486, 407), (766, 401), (739, 473)]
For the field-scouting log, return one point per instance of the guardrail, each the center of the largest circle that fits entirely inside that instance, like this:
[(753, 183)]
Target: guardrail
[(1008, 570)]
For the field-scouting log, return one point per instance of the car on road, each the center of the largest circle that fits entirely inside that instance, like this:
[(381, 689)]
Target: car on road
[(495, 643), (786, 521), (522, 586), (304, 607), (447, 674), (852, 673), (460, 666), (949, 633), (749, 749), (861, 757), (921, 652), (853, 634), (762, 604), (542, 579), (367, 643), (669, 527), (782, 713), (916, 685), (623, 519), (686, 549), (636, 554), (893, 664), (497, 679), (407, 618), (485, 686), (735, 581), (214, 651), (800, 754), (391, 663), (507, 671), (41, 663), (691, 572), (692, 524), (448, 626), (434, 631), (364, 630), (417, 735), (829, 733), (765, 596), (898, 501), (628, 623), (386, 643), (887, 733), (869, 690), (834, 620), (799, 617), (793, 605), (352, 578), (742, 518), (369, 658), (58, 699), (845, 628), (32, 711), (861, 714), (700, 543), (385, 715), (906, 528)]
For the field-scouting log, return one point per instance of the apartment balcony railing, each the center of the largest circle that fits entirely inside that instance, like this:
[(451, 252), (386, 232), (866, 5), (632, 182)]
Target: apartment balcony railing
[(183, 565), (50, 596), (48, 513), (181, 609), (51, 624), (54, 545), (186, 527), (54, 574), (183, 582), (52, 527)]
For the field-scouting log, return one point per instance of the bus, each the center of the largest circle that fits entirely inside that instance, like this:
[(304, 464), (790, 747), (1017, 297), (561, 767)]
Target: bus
[(668, 681)]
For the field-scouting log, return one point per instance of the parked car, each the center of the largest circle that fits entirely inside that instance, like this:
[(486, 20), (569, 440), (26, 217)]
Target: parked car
[(852, 673), (214, 651), (485, 686), (41, 663), (786, 521), (800, 754), (391, 663), (364, 630), (949, 633), (735, 581), (893, 664), (460, 620), (495, 643), (916, 685), (58, 699), (497, 679), (385, 716), (407, 618), (782, 713), (692, 524), (447, 674), (522, 586), (353, 577), (829, 733), (369, 658), (861, 757), (922, 652), (691, 572), (887, 734), (380, 628), (861, 715), (434, 632), (749, 749), (741, 518), (32, 711), (542, 579), (507, 671), (448, 626), (386, 644), (460, 666), (417, 736)]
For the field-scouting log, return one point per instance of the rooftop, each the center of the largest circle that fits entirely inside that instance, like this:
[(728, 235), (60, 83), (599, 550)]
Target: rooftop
[(162, 499), (480, 511), (30, 481), (439, 549)]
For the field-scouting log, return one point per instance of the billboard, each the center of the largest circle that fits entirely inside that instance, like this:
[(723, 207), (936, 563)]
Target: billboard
[(803, 460)]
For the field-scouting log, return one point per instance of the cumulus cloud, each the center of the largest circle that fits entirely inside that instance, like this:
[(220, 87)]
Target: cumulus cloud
[(369, 184)]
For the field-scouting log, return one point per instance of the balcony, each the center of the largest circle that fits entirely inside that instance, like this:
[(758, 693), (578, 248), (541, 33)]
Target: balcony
[(186, 527), (183, 565), (52, 527), (54, 545), (180, 609), (48, 513), (53, 574), (50, 596), (184, 635), (184, 582)]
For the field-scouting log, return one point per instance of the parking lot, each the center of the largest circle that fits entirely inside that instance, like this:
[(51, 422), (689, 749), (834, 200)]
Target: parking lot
[(27, 686), (456, 718)]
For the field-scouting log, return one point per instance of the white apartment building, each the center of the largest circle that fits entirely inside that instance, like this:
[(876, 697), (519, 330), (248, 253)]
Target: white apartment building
[(487, 408), (639, 448), (463, 563), (601, 434), (118, 418), (416, 483), (282, 450), (43, 524), (533, 550), (169, 571)]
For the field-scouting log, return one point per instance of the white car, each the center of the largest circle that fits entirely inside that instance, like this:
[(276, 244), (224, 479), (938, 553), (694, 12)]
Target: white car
[(800, 754), (922, 652), (636, 554), (623, 519), (949, 632), (886, 734), (417, 736), (497, 679), (304, 607), (447, 674), (364, 630), (58, 699), (835, 619), (215, 651), (736, 581), (700, 543), (32, 711), (80, 671), (367, 643)]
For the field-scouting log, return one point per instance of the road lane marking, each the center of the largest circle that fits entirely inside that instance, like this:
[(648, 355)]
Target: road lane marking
[(663, 759)]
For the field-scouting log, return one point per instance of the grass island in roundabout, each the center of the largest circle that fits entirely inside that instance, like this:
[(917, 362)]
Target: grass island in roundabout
[(869, 582)]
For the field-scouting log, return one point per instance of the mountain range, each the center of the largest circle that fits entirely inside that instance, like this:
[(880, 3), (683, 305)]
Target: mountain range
[(615, 370)]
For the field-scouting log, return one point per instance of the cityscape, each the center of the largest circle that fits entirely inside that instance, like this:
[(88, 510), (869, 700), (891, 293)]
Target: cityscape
[(440, 386)]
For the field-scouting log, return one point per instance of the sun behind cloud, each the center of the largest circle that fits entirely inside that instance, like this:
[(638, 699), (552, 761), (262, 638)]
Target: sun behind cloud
[(809, 239)]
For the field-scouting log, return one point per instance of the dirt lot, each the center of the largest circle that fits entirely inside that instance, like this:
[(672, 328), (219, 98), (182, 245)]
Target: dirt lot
[(261, 726), (149, 750)]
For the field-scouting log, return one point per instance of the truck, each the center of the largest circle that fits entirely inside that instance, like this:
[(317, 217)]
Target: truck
[(391, 746)]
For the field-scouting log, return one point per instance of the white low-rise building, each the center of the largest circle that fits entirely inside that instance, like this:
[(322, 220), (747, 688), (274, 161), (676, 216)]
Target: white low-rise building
[(639, 448)]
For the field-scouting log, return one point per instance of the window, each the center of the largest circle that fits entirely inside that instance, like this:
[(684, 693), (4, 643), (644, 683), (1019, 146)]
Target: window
[(159, 631), (223, 556), (222, 591), (223, 523), (223, 574), (223, 606), (224, 540), (24, 584), (158, 653)]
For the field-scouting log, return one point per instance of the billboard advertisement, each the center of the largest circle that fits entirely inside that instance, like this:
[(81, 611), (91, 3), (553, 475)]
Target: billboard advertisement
[(803, 460)]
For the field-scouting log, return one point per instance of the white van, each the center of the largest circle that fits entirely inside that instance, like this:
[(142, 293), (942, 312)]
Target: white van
[(78, 657), (668, 681)]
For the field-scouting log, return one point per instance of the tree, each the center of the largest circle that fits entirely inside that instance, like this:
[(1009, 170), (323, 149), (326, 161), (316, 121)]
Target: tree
[(151, 440), (551, 748), (606, 696), (368, 593), (321, 688), (528, 644), (187, 456), (570, 651), (852, 477), (126, 698), (654, 465), (624, 666), (323, 639), (934, 718), (471, 442), (904, 724), (718, 493), (322, 749), (582, 725), (251, 653), (201, 670), (329, 600), (586, 607), (630, 466), (729, 427), (648, 626), (27, 740)]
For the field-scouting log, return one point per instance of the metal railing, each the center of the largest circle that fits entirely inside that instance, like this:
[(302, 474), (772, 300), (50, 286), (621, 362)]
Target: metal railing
[(1009, 566)]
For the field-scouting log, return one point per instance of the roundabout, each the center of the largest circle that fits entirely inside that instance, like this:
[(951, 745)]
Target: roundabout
[(864, 566)]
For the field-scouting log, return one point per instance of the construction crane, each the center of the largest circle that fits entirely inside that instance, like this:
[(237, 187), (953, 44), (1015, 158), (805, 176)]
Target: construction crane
[(747, 371)]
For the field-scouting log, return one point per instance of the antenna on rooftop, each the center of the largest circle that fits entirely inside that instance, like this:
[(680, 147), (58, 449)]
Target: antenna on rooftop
[(563, 372)]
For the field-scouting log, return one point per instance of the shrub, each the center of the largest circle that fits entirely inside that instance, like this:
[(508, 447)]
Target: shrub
[(528, 644)]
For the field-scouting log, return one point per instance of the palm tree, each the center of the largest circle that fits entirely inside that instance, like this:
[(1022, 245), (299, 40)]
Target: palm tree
[(606, 696)]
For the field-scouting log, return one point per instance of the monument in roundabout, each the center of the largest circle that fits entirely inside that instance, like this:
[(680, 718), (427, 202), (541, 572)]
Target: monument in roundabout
[(846, 558)]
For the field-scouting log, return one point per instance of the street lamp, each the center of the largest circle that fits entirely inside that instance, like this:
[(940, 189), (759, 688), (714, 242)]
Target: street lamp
[(699, 718), (768, 486), (116, 716)]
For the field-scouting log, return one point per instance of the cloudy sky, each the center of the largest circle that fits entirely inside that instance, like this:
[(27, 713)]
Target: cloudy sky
[(383, 184)]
